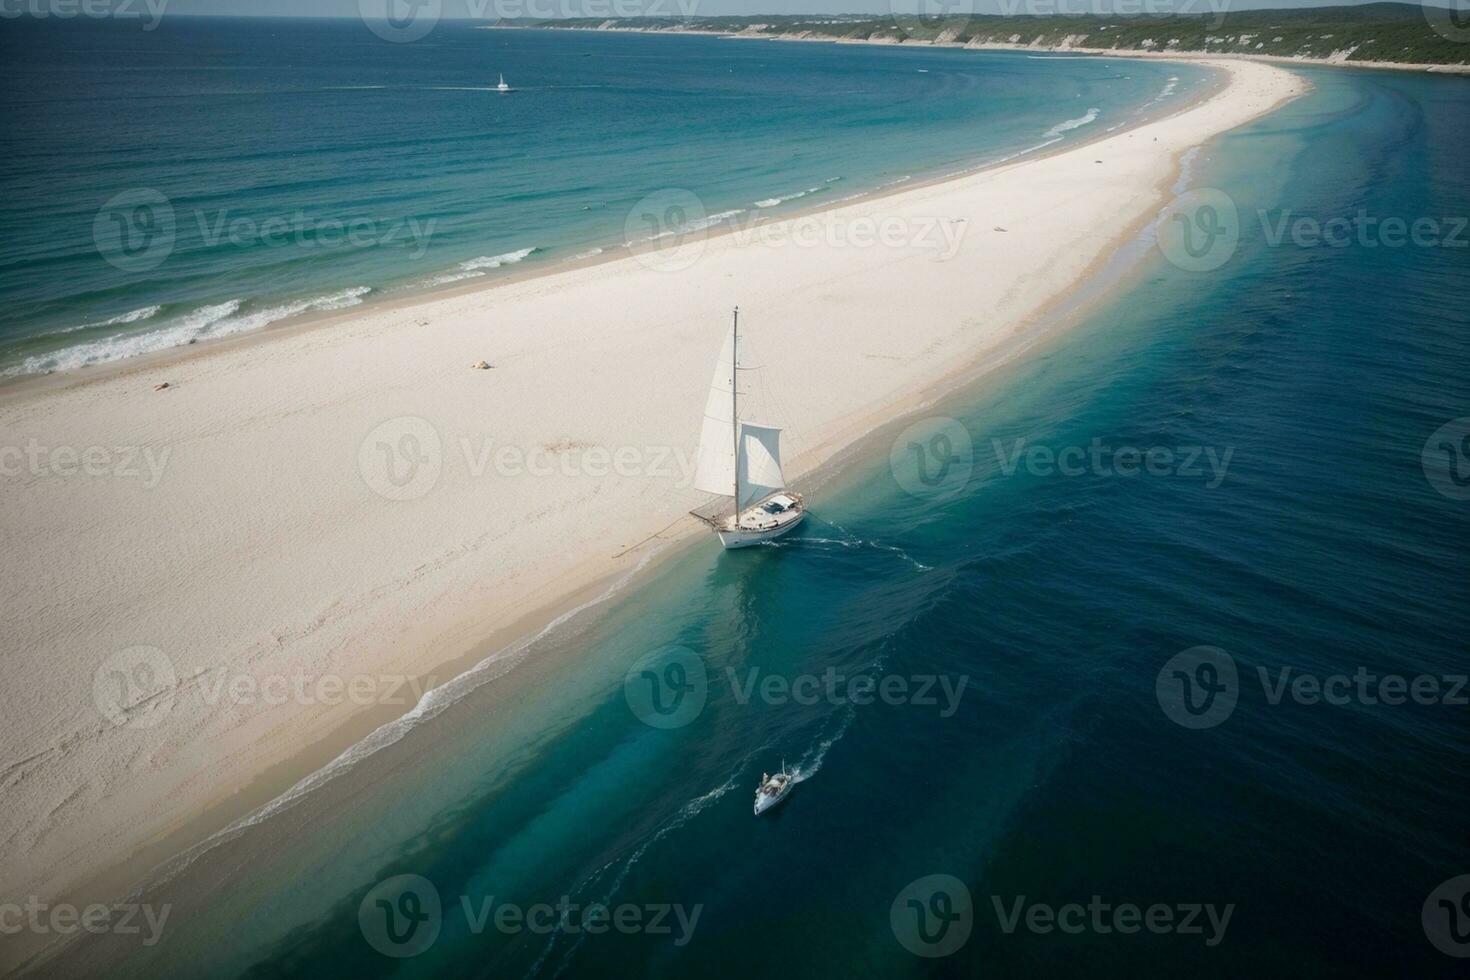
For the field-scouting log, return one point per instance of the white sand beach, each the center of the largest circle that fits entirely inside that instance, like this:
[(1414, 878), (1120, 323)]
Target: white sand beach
[(353, 501)]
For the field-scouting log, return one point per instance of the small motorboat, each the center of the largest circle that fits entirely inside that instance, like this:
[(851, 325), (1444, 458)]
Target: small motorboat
[(773, 789)]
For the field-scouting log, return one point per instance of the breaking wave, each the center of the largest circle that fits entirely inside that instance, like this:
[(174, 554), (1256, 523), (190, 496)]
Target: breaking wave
[(477, 267), (204, 323), (771, 202), (1068, 125), (121, 318)]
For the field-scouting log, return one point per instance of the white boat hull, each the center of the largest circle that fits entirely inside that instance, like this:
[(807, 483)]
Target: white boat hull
[(764, 805), (774, 792), (744, 537)]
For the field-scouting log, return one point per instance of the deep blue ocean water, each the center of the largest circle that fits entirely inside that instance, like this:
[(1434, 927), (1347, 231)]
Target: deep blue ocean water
[(1332, 544), (210, 177)]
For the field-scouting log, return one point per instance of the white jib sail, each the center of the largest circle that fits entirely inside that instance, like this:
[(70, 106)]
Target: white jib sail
[(715, 470), (760, 463)]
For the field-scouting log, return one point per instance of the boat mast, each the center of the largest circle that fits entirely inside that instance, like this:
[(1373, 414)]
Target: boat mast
[(735, 406)]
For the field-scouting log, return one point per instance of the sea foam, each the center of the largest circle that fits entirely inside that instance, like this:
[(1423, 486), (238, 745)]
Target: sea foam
[(131, 317), (477, 267), (206, 322), (1068, 125), (771, 202)]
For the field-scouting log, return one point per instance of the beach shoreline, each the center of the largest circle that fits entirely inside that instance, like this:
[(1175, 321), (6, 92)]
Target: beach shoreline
[(16, 388), (290, 746)]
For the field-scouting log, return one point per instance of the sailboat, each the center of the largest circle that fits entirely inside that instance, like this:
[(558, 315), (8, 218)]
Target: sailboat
[(502, 87), (741, 461), (773, 789)]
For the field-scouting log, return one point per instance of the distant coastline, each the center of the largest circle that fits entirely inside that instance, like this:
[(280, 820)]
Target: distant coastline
[(1393, 36)]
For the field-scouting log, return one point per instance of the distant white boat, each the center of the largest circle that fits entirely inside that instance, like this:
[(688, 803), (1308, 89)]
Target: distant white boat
[(773, 789), (502, 87), (741, 459)]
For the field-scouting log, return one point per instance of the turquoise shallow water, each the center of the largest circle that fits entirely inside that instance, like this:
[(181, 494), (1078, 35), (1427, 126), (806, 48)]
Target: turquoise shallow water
[(211, 177), (1332, 543)]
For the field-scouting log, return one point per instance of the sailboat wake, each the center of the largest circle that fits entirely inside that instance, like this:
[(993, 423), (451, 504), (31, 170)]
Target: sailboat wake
[(618, 870), (851, 541), (811, 762)]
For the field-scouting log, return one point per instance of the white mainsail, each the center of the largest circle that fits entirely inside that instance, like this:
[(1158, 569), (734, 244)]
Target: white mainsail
[(760, 445), (715, 470)]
